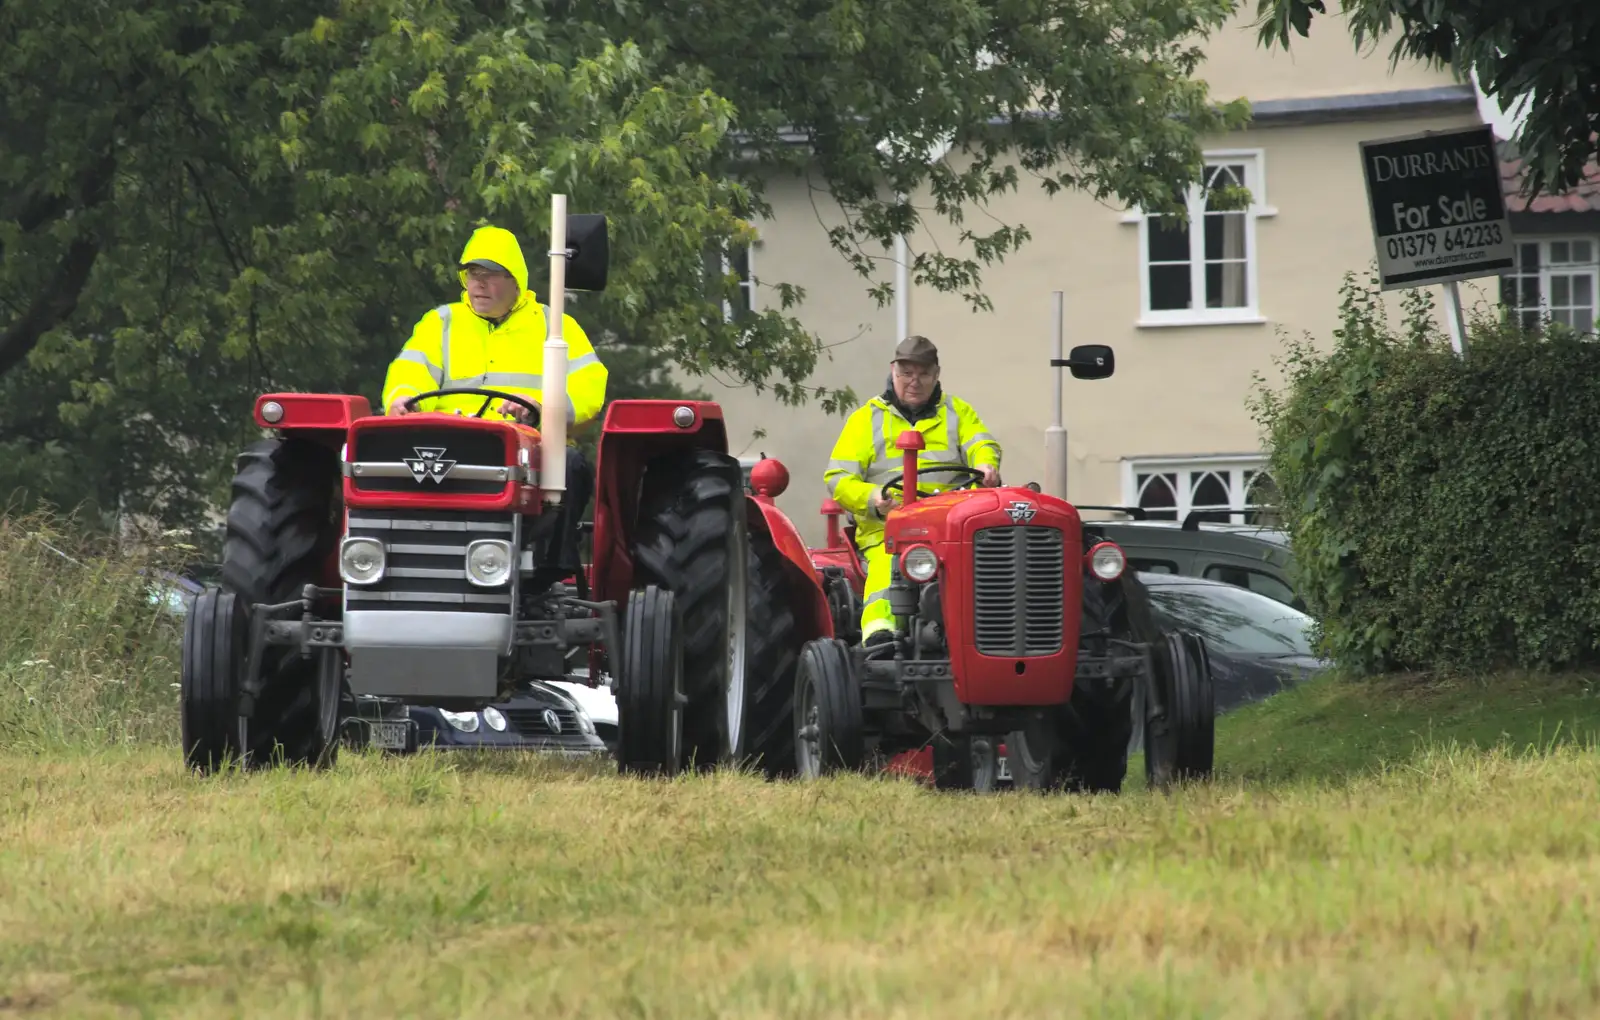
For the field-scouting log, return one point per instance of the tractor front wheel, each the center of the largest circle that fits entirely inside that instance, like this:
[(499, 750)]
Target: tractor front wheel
[(965, 763), (214, 642), (650, 690), (1181, 746), (828, 728), (283, 525)]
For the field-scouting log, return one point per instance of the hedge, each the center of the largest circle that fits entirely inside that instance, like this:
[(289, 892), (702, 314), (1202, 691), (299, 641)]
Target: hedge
[(1444, 511)]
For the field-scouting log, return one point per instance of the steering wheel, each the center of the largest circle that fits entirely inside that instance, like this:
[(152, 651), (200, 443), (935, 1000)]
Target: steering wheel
[(411, 403), (898, 481)]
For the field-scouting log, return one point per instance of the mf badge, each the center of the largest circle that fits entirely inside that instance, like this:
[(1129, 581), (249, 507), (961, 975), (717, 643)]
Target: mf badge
[(1021, 511), (429, 464)]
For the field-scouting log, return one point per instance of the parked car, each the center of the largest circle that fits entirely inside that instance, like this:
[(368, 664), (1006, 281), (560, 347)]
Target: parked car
[(1258, 645), (598, 702), (539, 717), (1251, 556)]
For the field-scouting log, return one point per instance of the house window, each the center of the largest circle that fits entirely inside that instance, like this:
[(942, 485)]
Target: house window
[(1204, 271), (1556, 281), (738, 262), (1170, 490)]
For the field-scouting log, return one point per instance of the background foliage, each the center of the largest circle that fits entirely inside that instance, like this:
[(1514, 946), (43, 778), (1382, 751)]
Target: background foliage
[(1442, 508)]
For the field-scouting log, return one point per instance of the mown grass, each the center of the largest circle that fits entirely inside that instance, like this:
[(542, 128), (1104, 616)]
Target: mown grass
[(1391, 849)]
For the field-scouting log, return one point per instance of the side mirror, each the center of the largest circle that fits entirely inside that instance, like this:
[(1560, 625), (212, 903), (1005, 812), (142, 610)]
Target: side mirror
[(1088, 361), (589, 248)]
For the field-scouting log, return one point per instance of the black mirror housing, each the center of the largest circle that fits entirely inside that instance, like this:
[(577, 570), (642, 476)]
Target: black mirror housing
[(1088, 361), (588, 251)]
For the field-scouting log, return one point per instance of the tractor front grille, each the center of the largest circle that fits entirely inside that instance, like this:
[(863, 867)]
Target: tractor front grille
[(399, 459), (426, 556), (1018, 590)]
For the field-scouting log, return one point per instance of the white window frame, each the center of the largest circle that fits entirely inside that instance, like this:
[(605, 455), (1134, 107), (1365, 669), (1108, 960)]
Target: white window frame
[(1255, 170), (1547, 270), (1231, 466)]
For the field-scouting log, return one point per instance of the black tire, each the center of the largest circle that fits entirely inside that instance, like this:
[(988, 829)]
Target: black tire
[(214, 639), (1038, 755), (692, 540), (965, 763), (650, 699), (828, 699), (282, 526), (1182, 747), (771, 655)]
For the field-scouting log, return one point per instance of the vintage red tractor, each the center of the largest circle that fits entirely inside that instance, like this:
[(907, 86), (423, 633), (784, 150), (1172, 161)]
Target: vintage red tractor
[(1016, 626), (407, 558)]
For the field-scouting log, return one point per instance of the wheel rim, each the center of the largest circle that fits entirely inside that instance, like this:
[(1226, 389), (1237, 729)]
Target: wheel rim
[(737, 608), (675, 716), (984, 764), (808, 739)]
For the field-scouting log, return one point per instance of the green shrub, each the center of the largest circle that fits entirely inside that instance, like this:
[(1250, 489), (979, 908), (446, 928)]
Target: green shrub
[(1445, 511), (88, 652)]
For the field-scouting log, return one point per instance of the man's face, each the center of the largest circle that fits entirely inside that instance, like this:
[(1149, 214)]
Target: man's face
[(914, 383), (491, 291)]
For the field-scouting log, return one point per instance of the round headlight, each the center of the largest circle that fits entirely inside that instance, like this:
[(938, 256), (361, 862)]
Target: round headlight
[(466, 722), (489, 562), (585, 723), (272, 412), (361, 560), (495, 719), (683, 416), (1106, 561), (919, 563)]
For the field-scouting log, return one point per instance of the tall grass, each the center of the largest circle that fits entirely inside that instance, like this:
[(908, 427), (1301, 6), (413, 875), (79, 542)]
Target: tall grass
[(88, 650)]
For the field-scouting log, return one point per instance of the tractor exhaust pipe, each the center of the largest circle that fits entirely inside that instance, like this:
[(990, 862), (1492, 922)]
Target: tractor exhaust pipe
[(553, 414)]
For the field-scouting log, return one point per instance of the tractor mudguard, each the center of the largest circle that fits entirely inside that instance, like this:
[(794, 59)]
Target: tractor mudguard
[(812, 615)]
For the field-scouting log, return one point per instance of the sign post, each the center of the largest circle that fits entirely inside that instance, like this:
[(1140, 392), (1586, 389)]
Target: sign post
[(1055, 436), (1438, 214)]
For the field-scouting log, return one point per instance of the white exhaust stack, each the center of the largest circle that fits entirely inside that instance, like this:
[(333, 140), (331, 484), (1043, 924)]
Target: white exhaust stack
[(553, 414)]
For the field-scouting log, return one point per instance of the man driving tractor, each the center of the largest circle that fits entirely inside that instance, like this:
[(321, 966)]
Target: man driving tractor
[(493, 338), (864, 458)]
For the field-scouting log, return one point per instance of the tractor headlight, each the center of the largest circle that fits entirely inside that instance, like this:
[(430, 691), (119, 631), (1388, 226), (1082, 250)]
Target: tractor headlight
[(495, 719), (489, 562), (361, 560), (466, 722), (1106, 561), (919, 563)]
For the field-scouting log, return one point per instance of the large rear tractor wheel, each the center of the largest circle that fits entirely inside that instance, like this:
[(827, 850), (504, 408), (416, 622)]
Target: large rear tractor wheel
[(1181, 746), (772, 655), (650, 698), (829, 734), (214, 636), (282, 527), (694, 540)]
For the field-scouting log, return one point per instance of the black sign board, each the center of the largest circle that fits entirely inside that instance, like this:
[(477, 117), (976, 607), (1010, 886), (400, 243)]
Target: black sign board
[(1438, 213)]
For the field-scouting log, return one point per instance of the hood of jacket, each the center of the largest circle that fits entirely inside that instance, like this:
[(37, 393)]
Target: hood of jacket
[(500, 246)]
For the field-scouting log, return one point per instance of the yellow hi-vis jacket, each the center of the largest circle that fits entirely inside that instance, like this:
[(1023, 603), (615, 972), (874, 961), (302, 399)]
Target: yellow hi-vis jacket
[(864, 457), (452, 347)]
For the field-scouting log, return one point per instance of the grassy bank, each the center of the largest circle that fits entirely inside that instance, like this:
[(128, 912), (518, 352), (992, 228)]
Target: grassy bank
[(1315, 879)]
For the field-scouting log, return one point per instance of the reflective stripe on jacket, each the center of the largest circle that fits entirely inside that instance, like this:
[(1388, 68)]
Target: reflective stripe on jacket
[(452, 347), (864, 457)]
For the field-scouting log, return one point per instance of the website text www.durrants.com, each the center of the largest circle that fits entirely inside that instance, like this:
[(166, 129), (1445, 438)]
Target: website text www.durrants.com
[(1446, 260)]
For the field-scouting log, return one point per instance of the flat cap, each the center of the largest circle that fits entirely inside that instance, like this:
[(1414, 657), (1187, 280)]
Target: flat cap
[(918, 350)]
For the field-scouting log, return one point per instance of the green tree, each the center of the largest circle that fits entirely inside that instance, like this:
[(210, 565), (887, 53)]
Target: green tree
[(1544, 51)]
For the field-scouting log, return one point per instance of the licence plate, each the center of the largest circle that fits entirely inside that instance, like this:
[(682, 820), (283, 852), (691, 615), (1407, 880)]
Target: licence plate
[(1005, 768), (391, 736)]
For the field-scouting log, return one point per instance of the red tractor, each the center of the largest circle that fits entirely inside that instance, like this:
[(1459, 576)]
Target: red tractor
[(404, 559), (1016, 627)]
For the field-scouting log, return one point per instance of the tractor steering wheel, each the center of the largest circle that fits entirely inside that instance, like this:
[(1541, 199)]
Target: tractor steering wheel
[(898, 481), (411, 404)]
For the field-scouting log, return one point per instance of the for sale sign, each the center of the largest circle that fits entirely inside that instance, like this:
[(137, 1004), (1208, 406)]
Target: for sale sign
[(1437, 210)]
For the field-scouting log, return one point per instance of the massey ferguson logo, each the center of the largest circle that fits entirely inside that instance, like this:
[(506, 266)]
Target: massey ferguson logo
[(429, 463), (1021, 511)]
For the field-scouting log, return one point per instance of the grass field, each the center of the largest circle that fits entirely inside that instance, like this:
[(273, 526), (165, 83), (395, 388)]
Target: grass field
[(1369, 849)]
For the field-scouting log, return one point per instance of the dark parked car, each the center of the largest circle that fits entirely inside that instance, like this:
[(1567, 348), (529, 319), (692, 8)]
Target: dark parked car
[(1258, 646), (1251, 556), (538, 718)]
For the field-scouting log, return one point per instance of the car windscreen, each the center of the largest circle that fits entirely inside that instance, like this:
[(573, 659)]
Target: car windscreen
[(1233, 619)]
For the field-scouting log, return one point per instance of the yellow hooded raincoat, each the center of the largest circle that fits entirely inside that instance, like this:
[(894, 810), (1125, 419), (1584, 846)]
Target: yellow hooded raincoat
[(453, 347)]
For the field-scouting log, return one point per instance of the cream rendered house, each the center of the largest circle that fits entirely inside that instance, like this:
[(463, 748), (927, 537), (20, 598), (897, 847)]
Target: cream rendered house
[(1190, 315)]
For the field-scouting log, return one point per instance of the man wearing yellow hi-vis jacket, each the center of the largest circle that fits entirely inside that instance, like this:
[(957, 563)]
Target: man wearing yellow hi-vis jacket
[(864, 458), (493, 338)]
